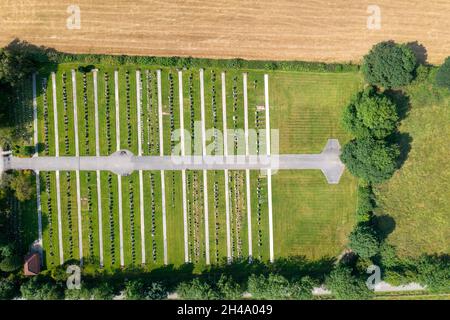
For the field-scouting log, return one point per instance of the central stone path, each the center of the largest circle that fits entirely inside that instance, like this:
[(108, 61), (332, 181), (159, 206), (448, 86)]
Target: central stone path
[(124, 162)]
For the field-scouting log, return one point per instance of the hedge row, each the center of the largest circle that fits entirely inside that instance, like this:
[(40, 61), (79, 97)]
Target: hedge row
[(189, 62)]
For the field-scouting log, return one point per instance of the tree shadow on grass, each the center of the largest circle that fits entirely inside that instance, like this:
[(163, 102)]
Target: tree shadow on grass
[(385, 225), (240, 269), (39, 54), (420, 52), (404, 140), (401, 101)]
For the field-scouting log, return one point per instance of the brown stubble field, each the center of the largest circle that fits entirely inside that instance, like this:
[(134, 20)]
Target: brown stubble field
[(312, 30)]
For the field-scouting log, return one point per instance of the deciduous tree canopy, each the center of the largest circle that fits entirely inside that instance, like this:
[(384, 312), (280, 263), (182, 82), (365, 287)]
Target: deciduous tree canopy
[(389, 65), (372, 160), (370, 114), (363, 241)]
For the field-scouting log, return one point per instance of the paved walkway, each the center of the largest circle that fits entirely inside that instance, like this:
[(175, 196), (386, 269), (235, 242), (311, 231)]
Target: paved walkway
[(183, 172), (58, 185), (141, 175), (225, 153), (269, 171), (124, 162), (77, 173), (38, 179), (205, 174), (161, 151), (119, 178), (247, 172), (99, 188)]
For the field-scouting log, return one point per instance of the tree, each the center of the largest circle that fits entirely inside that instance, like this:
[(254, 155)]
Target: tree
[(372, 160), (443, 74), (134, 290), (302, 289), (365, 203), (77, 294), (15, 65), (7, 289), (434, 272), (345, 286), (104, 291), (156, 291), (22, 184), (10, 261), (229, 289), (41, 289), (389, 65), (196, 290), (388, 255), (273, 287), (370, 114), (363, 241)]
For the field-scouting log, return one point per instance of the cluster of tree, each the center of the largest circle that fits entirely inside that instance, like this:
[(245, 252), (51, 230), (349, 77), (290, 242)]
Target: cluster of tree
[(11, 252), (260, 287), (17, 62), (346, 280), (371, 117)]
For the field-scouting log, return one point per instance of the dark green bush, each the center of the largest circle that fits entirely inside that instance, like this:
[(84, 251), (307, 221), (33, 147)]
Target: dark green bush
[(189, 62)]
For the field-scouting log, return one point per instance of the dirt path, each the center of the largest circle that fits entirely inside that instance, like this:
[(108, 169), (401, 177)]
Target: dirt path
[(252, 29)]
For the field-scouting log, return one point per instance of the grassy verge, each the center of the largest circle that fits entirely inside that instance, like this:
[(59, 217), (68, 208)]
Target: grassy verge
[(421, 215)]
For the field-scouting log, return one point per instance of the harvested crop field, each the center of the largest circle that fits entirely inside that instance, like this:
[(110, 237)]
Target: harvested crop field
[(311, 30)]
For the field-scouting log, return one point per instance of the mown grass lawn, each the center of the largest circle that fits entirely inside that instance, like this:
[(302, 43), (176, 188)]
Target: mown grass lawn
[(311, 217)]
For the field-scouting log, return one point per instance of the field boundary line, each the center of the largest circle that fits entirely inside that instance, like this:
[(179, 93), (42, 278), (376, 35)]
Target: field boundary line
[(161, 151), (97, 152), (183, 172), (247, 171), (58, 187), (77, 172), (225, 153), (119, 177)]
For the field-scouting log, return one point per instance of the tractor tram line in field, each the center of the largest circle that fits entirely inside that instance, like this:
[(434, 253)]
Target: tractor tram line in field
[(204, 221)]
